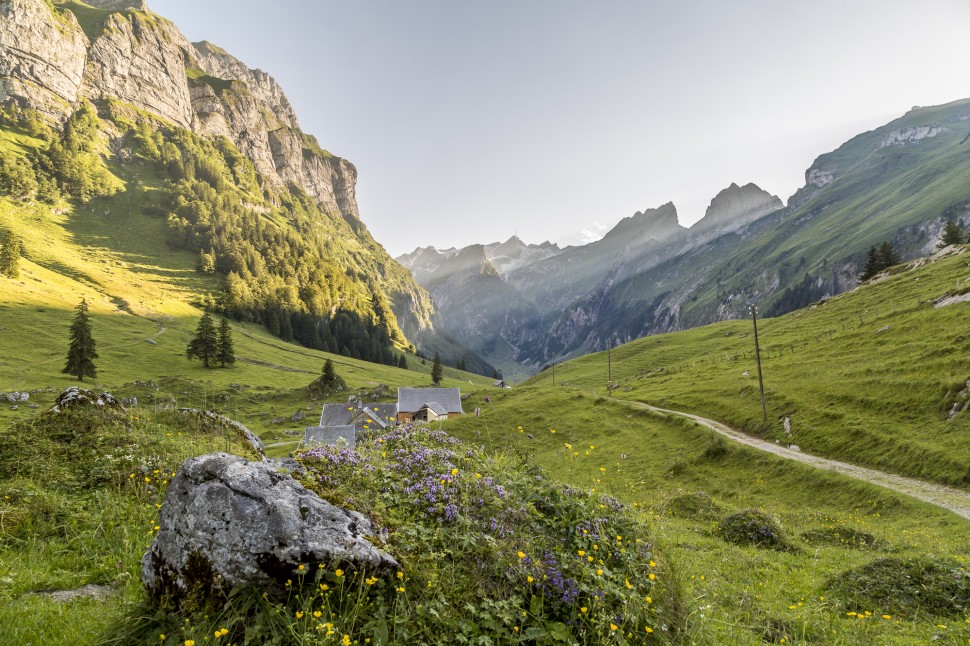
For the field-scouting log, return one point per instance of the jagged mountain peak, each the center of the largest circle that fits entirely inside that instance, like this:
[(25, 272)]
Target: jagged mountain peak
[(118, 5), (737, 206), (650, 224)]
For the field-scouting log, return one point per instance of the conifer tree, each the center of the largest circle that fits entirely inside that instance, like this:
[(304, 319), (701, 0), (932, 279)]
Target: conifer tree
[(225, 350), (888, 256), (951, 235), (81, 353), (871, 267), (10, 256), (437, 372), (402, 362), (204, 345)]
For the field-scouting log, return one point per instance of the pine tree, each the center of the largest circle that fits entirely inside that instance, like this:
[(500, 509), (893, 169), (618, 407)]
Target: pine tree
[(436, 370), (81, 353), (871, 267), (10, 256), (225, 351), (888, 256), (402, 362), (205, 344), (951, 235)]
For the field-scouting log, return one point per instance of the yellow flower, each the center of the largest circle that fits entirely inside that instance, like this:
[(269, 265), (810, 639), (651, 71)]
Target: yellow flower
[(652, 564), (652, 576), (887, 616), (400, 575), (370, 580), (401, 589), (324, 587), (589, 558), (317, 614), (529, 578), (599, 572), (346, 640), (583, 609), (628, 584), (189, 642), (552, 430), (613, 626), (649, 630), (338, 572), (619, 538), (521, 554), (299, 614), (649, 600), (300, 567), (162, 636), (581, 552), (850, 614), (454, 472)]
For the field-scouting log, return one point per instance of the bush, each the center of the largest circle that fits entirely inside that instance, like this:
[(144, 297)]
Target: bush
[(905, 587), (752, 527)]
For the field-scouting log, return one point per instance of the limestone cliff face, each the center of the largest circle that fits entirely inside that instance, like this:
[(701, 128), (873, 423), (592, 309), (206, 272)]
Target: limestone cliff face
[(139, 59), (124, 52), (42, 56)]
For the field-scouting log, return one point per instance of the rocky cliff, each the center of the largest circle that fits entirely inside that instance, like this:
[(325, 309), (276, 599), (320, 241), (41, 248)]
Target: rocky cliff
[(54, 54), (734, 208)]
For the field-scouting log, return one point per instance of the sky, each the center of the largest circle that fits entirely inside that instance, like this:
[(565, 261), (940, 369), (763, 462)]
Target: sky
[(472, 121)]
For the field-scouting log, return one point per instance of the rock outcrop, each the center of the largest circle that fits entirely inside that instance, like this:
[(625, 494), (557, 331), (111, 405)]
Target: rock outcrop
[(734, 208), (75, 397), (42, 56), (227, 521)]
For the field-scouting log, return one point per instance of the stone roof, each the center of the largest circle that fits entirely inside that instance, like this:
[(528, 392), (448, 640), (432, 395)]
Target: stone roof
[(337, 415), (436, 407), (411, 400)]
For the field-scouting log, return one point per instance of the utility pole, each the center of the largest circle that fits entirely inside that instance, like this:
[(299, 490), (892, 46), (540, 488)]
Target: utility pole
[(609, 365), (757, 354), (553, 371)]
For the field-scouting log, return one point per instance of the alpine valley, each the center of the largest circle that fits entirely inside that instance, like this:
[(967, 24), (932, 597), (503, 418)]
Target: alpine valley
[(675, 478), (525, 306)]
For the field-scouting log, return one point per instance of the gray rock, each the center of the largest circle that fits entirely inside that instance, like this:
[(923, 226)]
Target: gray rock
[(227, 521), (297, 416), (76, 397), (17, 397), (151, 341), (14, 407), (129, 401)]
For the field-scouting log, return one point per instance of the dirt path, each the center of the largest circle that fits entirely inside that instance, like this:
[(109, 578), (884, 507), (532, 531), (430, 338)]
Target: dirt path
[(952, 499)]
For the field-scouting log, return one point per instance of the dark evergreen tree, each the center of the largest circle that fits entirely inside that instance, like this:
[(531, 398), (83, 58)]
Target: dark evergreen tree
[(205, 344), (81, 352), (225, 349), (888, 256), (402, 362), (951, 235), (10, 256), (437, 372)]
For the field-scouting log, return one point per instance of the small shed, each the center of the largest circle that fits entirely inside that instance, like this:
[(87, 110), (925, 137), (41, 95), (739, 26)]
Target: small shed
[(427, 404)]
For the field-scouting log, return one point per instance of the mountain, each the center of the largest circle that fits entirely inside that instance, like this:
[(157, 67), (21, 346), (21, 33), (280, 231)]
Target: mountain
[(111, 86), (898, 183), (511, 295)]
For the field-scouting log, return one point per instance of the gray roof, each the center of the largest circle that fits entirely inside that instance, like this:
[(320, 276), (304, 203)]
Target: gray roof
[(437, 408), (337, 415), (411, 400), (386, 412), (317, 436)]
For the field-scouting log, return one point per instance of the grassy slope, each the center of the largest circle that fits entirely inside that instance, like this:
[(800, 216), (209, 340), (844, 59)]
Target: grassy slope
[(139, 289), (868, 377)]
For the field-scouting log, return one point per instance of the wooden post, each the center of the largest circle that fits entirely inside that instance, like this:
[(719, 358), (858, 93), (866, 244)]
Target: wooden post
[(757, 354), (609, 365)]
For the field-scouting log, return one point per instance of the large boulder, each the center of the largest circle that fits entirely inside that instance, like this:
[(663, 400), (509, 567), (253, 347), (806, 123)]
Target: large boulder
[(227, 521), (75, 397)]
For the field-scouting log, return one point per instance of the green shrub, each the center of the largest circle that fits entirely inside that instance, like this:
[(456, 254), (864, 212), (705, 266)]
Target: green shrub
[(904, 587), (752, 527)]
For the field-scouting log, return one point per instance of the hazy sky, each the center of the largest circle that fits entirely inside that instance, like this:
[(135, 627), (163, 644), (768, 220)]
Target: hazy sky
[(471, 121)]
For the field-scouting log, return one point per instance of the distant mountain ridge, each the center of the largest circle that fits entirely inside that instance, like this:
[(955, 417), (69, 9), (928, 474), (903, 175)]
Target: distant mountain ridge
[(649, 274)]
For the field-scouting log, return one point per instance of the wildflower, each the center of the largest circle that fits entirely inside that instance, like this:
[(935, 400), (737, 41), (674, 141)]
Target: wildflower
[(521, 554), (581, 552), (613, 626), (338, 572), (619, 538), (649, 600), (299, 614), (589, 558), (552, 430), (189, 642), (599, 572), (346, 640), (529, 578), (454, 472), (162, 636), (324, 587), (649, 630), (851, 614), (400, 589), (370, 580), (652, 564), (300, 567), (628, 584), (887, 616), (515, 629), (400, 574), (583, 609), (652, 576)]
